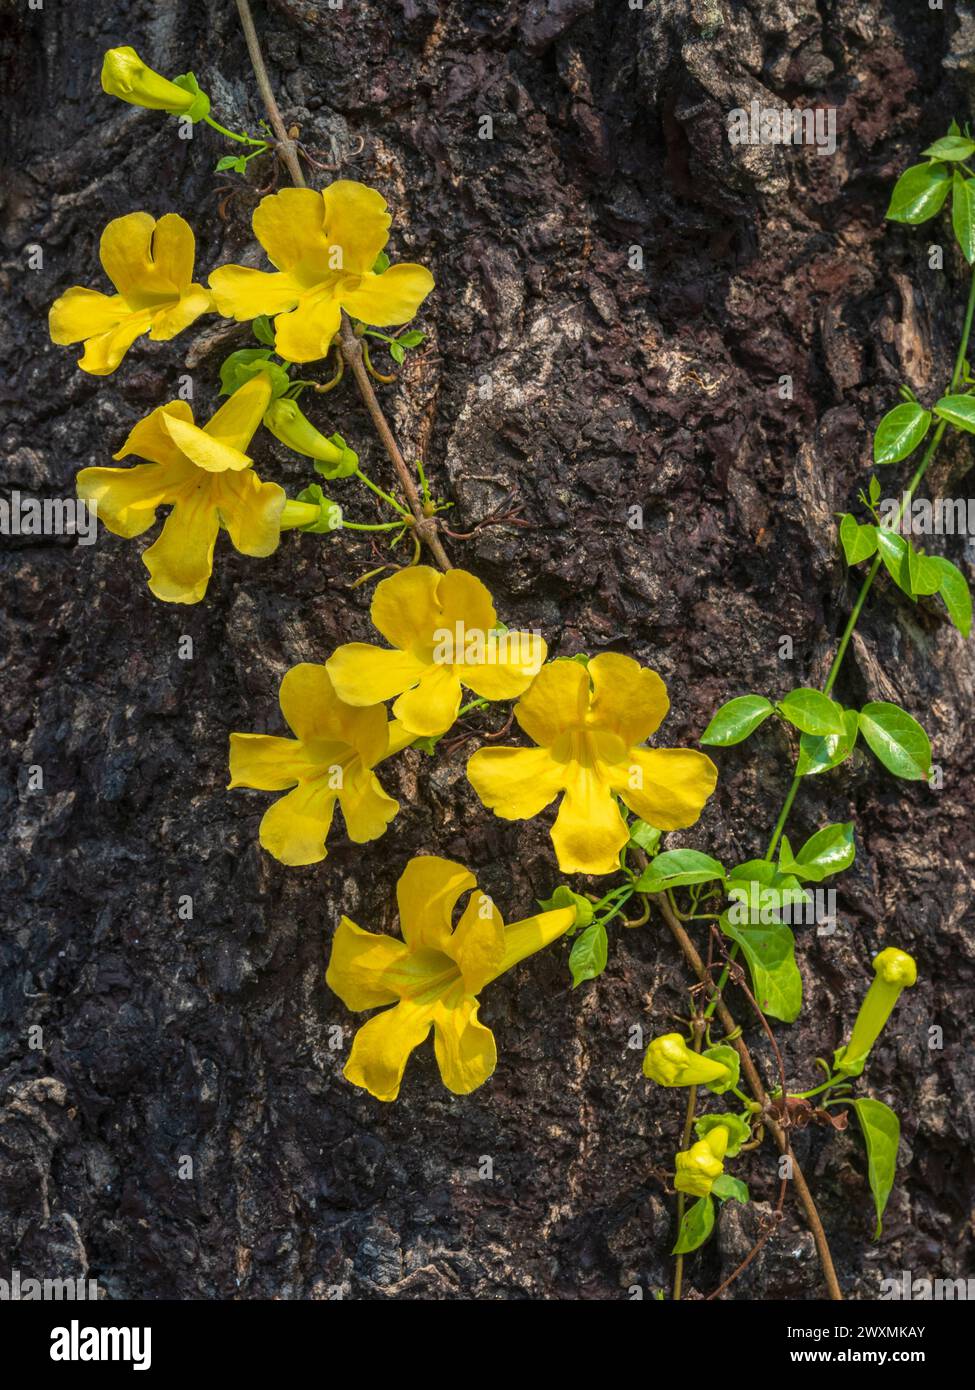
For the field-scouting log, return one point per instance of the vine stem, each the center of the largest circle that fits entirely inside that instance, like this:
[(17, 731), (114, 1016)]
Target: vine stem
[(757, 1088), (867, 585), (424, 527)]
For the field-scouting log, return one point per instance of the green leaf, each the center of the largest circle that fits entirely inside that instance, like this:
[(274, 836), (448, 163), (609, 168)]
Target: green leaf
[(819, 754), (950, 147), (882, 1135), (859, 542), (229, 161), (587, 959), (812, 712), (411, 339), (900, 432), (895, 553), (919, 193), (726, 1187), (897, 739), (963, 212), (739, 1130), (770, 954), (263, 330), (678, 867), (734, 721), (380, 264), (564, 897), (396, 352), (240, 367), (958, 411), (697, 1225), (925, 578), (874, 489), (829, 851), (954, 589), (645, 837), (728, 1057)]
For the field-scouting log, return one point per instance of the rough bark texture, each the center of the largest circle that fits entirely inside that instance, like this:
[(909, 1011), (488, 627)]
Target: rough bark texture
[(555, 372)]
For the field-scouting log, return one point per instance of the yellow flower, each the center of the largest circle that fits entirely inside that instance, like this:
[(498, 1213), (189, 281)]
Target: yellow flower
[(150, 264), (444, 631), (330, 759), (433, 979), (324, 246), (125, 75), (590, 723), (698, 1166), (205, 476), (670, 1062), (894, 971)]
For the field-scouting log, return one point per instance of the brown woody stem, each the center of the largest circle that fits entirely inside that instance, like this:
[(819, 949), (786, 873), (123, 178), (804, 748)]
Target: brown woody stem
[(425, 528)]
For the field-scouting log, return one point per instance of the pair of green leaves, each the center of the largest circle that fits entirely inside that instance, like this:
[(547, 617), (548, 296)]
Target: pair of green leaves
[(245, 364), (920, 192), (828, 731)]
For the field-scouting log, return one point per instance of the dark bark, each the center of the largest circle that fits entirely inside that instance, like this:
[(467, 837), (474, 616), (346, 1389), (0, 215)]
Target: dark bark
[(611, 386)]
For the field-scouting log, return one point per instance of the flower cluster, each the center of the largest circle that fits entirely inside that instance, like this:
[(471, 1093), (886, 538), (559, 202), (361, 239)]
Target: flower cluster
[(589, 721)]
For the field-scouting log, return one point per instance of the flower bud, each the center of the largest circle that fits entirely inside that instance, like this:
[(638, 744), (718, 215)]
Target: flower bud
[(670, 1062), (286, 422), (698, 1166), (894, 970), (126, 76)]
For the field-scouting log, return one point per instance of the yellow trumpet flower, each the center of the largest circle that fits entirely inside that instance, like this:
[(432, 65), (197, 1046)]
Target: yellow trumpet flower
[(444, 629), (432, 977), (324, 246), (329, 760), (590, 723), (150, 264), (205, 476)]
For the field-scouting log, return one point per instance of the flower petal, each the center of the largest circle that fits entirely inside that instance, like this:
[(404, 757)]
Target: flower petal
[(173, 251), (357, 963), (382, 1047), (266, 763), (405, 608), (79, 313), (388, 299), (290, 225), (590, 829), (357, 221), (628, 699), (251, 511), (306, 333), (126, 498), (242, 293), (167, 322), (514, 660), (126, 252), (478, 943), (366, 807), (181, 561), (531, 934), (237, 420), (316, 714), (295, 828), (363, 674), (666, 787), (201, 448), (104, 352), (427, 894), (515, 783), (431, 706), (465, 1049), (556, 700), (151, 440)]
